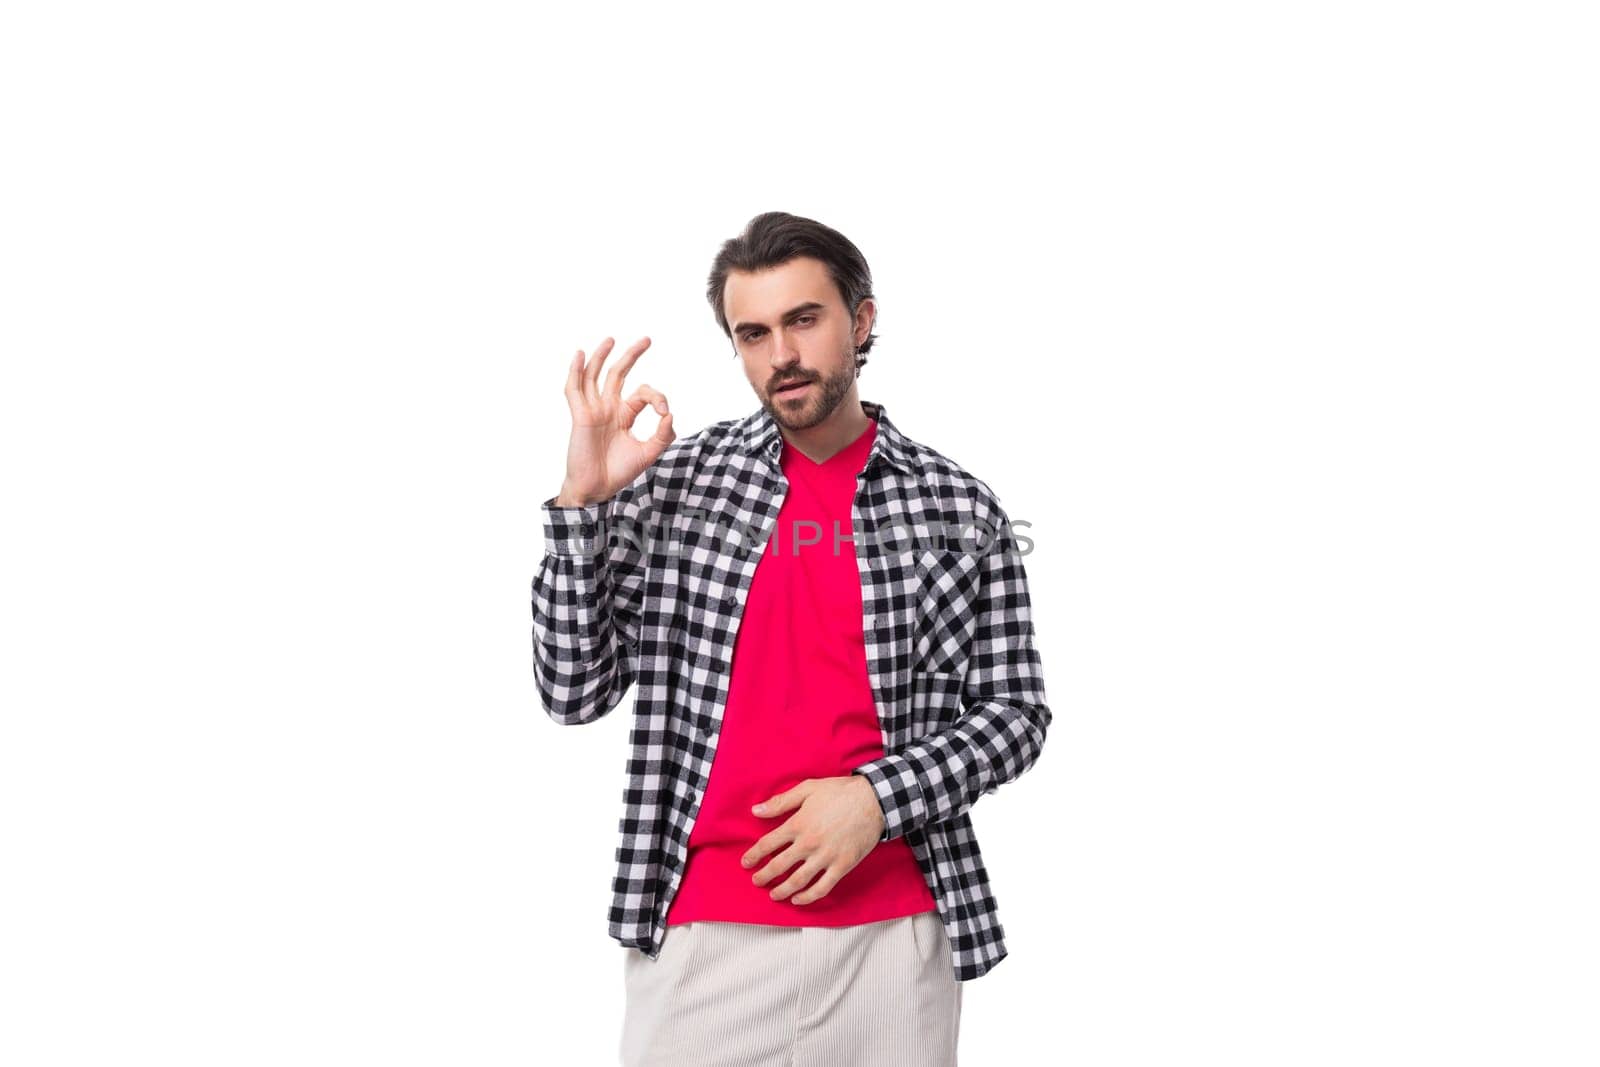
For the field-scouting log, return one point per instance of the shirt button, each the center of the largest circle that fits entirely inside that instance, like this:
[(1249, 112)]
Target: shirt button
[(730, 600)]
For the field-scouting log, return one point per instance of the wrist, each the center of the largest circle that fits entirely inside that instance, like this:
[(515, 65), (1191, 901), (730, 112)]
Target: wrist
[(565, 499)]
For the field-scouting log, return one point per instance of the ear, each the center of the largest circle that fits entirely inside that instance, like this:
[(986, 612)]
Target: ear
[(866, 315)]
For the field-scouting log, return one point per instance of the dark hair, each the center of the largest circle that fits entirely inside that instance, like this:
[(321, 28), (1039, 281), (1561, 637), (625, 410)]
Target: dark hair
[(774, 238)]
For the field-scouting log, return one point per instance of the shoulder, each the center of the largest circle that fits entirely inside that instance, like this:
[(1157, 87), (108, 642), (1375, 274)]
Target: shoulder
[(968, 504), (949, 479)]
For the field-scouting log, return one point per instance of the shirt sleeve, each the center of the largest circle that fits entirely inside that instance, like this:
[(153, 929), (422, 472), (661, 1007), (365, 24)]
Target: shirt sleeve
[(998, 735), (588, 596)]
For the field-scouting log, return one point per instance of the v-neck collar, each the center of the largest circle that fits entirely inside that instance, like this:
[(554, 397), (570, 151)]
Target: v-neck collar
[(856, 450), (758, 435)]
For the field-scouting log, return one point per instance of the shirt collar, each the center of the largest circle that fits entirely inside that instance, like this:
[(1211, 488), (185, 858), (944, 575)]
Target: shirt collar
[(759, 435)]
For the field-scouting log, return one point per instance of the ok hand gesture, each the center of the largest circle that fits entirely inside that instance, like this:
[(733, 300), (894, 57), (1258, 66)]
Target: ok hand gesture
[(603, 456)]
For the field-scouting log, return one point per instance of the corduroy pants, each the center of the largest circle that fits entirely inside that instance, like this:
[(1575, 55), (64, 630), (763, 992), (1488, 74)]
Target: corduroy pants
[(728, 994)]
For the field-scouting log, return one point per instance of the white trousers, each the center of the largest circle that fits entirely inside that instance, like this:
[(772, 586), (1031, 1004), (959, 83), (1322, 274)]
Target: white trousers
[(728, 994)]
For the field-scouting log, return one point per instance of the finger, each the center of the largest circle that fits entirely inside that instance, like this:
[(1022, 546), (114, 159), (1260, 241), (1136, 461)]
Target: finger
[(643, 396), (591, 373), (780, 865), (768, 844), (798, 880), (818, 889), (574, 385), (625, 364)]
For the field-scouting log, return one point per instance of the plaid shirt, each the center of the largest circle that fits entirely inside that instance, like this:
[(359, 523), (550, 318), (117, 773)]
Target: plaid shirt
[(649, 587)]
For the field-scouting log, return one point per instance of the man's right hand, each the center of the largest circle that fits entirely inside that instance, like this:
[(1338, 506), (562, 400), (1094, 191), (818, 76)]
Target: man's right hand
[(603, 456)]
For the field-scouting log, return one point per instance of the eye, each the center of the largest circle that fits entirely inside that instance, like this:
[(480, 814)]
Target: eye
[(806, 318)]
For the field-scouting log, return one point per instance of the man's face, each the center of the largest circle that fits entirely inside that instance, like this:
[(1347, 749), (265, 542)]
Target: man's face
[(790, 325)]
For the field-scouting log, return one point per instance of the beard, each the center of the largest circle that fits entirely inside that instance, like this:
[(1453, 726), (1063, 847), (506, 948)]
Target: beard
[(826, 394)]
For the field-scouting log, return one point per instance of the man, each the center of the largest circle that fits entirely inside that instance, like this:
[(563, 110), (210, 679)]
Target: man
[(830, 629)]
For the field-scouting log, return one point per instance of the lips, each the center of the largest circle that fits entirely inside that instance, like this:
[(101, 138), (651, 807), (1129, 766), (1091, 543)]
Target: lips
[(792, 387)]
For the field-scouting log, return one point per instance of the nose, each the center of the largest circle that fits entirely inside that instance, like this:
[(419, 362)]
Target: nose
[(784, 352)]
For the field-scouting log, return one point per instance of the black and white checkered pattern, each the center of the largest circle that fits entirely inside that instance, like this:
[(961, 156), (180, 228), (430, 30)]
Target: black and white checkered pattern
[(649, 587)]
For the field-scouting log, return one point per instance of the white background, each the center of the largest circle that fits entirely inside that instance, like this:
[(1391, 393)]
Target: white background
[(1277, 321)]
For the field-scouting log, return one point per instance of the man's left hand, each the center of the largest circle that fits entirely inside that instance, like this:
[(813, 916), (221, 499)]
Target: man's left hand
[(837, 823)]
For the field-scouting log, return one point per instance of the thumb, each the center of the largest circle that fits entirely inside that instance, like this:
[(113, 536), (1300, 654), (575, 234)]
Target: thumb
[(779, 803), (653, 446)]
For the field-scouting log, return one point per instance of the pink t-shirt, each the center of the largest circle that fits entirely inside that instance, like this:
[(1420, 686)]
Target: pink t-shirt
[(799, 706)]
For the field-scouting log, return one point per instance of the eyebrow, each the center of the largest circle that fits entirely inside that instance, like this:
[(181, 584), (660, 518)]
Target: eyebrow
[(799, 309)]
